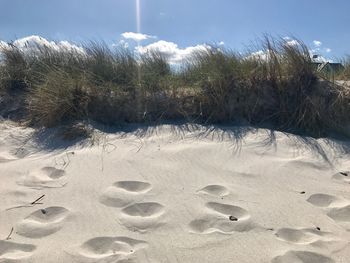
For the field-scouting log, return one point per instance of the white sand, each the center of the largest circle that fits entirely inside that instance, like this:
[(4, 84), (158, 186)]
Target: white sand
[(174, 195)]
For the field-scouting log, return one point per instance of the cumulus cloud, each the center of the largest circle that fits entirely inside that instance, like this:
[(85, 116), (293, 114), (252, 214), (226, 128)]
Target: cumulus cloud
[(260, 54), (317, 43), (328, 50), (3, 44), (171, 50), (136, 36), (65, 45), (122, 43), (292, 42), (33, 43), (321, 59), (221, 43), (314, 53), (317, 57)]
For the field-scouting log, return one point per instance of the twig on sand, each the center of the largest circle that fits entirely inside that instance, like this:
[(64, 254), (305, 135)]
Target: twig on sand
[(141, 145), (20, 206), (9, 236), (68, 162), (37, 200), (65, 163)]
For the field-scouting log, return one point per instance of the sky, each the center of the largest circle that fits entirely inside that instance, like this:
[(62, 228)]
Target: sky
[(181, 25)]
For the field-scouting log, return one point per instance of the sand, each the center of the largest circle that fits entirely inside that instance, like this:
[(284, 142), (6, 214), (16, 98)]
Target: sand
[(173, 194)]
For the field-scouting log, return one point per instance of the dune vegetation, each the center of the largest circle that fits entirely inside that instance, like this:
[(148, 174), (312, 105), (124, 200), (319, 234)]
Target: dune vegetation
[(279, 87), (345, 74)]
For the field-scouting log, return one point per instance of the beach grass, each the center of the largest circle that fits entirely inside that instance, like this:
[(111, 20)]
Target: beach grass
[(277, 86)]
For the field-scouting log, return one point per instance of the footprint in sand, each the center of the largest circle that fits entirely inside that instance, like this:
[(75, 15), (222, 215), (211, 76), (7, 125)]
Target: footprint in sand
[(337, 209), (124, 192), (307, 236), (11, 252), (341, 214), (342, 177), (135, 214), (108, 249), (302, 257), (136, 187), (215, 190), (142, 216), (43, 222), (47, 177), (222, 218), (324, 200)]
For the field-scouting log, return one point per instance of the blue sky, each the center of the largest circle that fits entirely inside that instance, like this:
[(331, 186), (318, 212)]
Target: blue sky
[(184, 22)]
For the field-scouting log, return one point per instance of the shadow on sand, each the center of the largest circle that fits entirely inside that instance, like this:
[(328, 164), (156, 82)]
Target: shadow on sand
[(328, 149)]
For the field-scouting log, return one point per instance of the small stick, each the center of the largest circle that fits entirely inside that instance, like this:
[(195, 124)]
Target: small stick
[(36, 201), (68, 162), (20, 206), (141, 145), (9, 236)]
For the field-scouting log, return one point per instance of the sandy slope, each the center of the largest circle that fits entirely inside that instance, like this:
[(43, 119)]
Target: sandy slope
[(174, 194)]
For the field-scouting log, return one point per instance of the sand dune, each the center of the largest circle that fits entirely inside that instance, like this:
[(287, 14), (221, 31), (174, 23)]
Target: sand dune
[(173, 194)]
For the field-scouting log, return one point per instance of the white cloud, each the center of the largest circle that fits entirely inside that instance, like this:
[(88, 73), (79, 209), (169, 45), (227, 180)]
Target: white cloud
[(221, 43), (260, 54), (65, 45), (317, 43), (328, 50), (292, 42), (321, 59), (318, 57), (264, 55), (136, 36), (3, 44), (122, 43), (171, 50), (33, 43)]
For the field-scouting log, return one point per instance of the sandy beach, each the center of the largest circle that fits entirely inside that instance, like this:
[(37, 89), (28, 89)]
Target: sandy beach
[(173, 194)]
